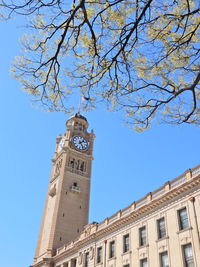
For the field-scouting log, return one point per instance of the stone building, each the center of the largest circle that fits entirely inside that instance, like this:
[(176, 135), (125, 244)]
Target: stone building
[(159, 230)]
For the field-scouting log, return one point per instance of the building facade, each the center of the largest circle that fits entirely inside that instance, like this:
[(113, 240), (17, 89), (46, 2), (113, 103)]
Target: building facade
[(160, 230)]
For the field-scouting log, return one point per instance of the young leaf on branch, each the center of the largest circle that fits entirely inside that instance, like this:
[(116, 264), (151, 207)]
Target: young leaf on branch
[(140, 56)]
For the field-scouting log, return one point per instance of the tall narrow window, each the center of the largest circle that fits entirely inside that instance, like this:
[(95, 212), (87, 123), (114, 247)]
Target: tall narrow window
[(86, 259), (73, 262), (99, 254), (143, 263), (142, 236), (188, 256), (183, 219), (164, 261), (126, 243), (161, 228), (112, 249)]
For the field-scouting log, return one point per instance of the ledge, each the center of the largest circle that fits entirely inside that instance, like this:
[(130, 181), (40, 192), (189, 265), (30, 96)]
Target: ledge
[(184, 230), (141, 247), (126, 253), (163, 238), (113, 258), (99, 263)]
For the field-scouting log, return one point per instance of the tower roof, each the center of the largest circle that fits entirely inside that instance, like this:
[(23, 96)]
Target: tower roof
[(78, 115)]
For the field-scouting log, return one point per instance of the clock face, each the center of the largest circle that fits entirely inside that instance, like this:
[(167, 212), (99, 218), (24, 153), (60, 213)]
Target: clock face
[(61, 144), (80, 143)]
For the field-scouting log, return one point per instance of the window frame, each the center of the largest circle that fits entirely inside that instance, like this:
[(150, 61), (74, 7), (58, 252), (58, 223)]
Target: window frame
[(112, 249), (185, 259), (86, 259), (160, 232), (161, 259), (142, 261), (126, 243), (99, 256), (182, 220), (142, 238), (73, 262)]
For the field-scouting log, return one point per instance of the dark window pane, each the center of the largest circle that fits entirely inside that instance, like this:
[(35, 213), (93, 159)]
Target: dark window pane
[(164, 261), (143, 263), (142, 236), (161, 228), (99, 254), (183, 219), (73, 262), (188, 256), (112, 249), (86, 259), (125, 243)]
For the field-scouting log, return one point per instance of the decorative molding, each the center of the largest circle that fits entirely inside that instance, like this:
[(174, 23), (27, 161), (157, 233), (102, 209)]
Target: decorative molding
[(80, 258), (184, 230), (52, 190), (162, 248), (91, 253)]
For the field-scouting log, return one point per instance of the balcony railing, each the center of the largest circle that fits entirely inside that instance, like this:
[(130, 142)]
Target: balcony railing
[(75, 188)]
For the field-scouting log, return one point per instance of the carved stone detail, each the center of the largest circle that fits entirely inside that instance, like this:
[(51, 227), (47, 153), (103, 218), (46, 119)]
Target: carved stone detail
[(58, 167), (77, 164)]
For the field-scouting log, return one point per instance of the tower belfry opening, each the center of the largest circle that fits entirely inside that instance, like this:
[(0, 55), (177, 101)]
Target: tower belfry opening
[(69, 188)]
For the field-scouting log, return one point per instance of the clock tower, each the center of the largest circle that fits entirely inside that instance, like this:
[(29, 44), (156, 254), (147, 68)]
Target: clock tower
[(67, 201)]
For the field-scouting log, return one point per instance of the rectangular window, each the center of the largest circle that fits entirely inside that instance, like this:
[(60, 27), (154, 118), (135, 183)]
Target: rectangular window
[(143, 263), (164, 261), (126, 243), (142, 236), (73, 262), (188, 256), (112, 249), (99, 254), (161, 228), (86, 259), (183, 219)]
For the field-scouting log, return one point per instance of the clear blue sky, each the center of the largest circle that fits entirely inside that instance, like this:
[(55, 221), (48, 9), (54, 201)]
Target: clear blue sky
[(127, 165)]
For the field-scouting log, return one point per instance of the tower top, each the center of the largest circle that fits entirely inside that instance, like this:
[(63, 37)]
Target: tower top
[(78, 115), (77, 121)]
